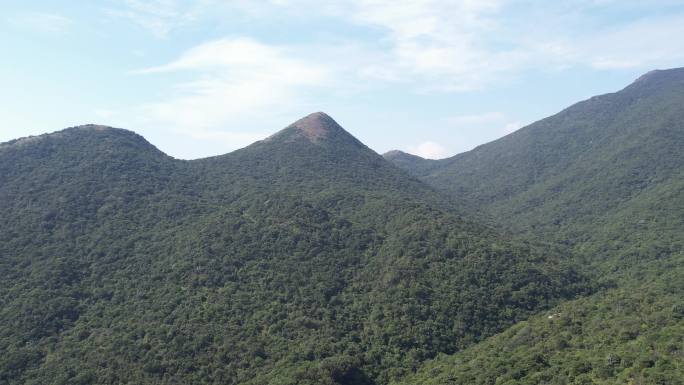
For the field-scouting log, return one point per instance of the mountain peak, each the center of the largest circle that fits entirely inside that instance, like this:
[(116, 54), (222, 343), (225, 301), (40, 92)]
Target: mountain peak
[(407, 161), (659, 80), (654, 74), (20, 142), (86, 136), (394, 154), (317, 128), (95, 127), (98, 130)]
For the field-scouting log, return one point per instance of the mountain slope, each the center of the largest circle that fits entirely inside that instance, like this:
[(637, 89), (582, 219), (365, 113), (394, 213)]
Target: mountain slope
[(577, 173), (606, 178), (303, 258), (633, 334), (414, 164)]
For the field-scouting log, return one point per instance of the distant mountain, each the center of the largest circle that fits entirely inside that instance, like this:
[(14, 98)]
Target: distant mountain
[(412, 163), (607, 166), (305, 258), (606, 178)]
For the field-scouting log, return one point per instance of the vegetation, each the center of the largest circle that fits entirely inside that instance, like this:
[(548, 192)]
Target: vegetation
[(633, 334), (304, 258), (604, 178), (307, 258), (569, 176)]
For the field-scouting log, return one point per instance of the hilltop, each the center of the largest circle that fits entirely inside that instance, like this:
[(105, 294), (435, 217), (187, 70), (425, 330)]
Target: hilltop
[(303, 258)]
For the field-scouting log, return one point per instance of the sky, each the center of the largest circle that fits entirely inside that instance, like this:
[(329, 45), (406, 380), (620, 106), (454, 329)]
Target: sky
[(433, 78)]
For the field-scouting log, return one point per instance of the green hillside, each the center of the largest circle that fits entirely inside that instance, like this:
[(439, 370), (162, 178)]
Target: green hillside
[(560, 178), (633, 334), (605, 178), (305, 258)]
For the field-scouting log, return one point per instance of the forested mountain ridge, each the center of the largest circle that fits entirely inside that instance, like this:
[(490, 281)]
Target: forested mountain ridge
[(305, 258), (606, 178), (412, 163), (581, 171)]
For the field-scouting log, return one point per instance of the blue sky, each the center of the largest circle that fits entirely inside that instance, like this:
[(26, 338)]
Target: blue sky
[(434, 78)]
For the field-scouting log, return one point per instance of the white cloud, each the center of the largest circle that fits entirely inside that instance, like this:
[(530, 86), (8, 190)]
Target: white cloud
[(470, 44), (460, 45), (643, 44), (41, 22), (587, 38), (437, 44), (246, 56), (432, 43), (235, 80), (428, 46), (163, 17), (429, 150)]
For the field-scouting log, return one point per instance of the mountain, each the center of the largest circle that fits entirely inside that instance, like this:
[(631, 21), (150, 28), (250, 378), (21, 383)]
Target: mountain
[(632, 334), (412, 163), (605, 167), (305, 258), (604, 177)]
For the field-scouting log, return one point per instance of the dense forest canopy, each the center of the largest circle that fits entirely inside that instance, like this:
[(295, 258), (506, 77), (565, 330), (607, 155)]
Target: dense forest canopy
[(304, 258), (606, 178), (551, 256)]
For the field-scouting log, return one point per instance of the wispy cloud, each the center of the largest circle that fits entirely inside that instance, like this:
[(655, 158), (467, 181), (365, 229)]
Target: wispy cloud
[(466, 45), (245, 56), (641, 44), (235, 79), (438, 46), (41, 22), (426, 46)]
